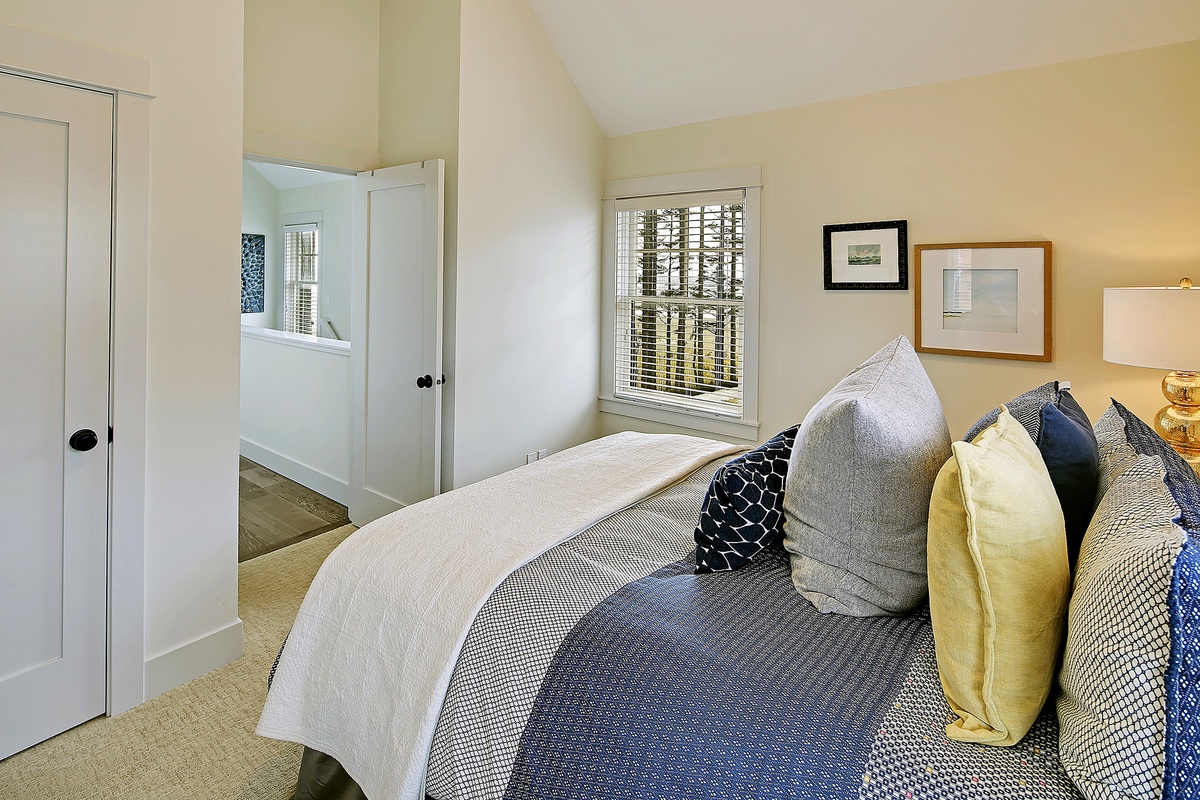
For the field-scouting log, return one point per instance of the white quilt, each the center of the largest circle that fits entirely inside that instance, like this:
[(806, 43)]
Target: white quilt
[(367, 663)]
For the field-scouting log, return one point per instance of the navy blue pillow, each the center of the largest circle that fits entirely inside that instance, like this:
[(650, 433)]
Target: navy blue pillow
[(1072, 456), (1068, 449), (743, 510)]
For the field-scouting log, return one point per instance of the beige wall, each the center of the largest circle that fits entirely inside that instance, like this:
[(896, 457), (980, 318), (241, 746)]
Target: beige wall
[(1099, 156), (312, 81), (418, 119), (195, 50), (528, 246), (478, 84)]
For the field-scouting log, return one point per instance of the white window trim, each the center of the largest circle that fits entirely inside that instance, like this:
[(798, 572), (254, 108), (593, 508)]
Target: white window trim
[(748, 178), (286, 221)]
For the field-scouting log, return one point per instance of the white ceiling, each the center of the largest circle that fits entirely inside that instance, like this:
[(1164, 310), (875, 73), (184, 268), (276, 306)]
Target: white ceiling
[(647, 64), (282, 176)]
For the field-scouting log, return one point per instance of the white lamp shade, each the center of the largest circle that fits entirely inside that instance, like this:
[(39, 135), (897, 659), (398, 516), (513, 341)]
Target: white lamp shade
[(1153, 326)]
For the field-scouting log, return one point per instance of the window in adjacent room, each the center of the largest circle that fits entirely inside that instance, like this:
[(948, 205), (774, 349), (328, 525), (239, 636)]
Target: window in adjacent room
[(681, 326), (301, 247)]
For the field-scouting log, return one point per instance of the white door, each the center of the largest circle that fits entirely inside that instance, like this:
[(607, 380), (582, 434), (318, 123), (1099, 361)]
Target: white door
[(396, 355), (55, 223)]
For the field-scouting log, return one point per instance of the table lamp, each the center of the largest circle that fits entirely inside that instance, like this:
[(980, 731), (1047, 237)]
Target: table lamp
[(1159, 327)]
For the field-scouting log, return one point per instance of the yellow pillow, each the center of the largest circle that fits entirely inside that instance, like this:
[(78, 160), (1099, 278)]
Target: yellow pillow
[(998, 583)]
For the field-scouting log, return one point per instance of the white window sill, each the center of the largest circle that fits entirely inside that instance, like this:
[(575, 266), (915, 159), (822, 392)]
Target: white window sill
[(709, 423)]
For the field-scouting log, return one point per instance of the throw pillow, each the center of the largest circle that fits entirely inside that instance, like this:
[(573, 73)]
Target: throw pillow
[(998, 583), (1026, 408), (856, 502), (1129, 712), (1065, 439), (743, 510), (1072, 457)]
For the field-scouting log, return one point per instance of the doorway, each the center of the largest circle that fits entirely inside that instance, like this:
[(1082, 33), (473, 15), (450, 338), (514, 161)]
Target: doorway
[(297, 225), (308, 401)]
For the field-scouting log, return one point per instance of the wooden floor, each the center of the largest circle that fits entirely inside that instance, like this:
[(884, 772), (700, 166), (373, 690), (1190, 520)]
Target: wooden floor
[(274, 511)]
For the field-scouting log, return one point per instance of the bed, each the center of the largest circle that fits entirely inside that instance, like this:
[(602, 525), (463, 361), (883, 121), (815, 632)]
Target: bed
[(639, 617)]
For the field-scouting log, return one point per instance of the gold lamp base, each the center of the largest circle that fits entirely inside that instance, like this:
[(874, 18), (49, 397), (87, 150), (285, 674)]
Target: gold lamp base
[(1179, 423)]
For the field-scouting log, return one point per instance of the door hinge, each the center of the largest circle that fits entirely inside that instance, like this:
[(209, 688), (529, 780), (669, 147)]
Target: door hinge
[(110, 434)]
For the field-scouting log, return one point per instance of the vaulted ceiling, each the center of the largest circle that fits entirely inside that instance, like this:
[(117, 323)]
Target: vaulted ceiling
[(647, 64)]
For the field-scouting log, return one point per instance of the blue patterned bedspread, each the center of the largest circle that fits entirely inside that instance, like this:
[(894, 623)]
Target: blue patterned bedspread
[(727, 684), (606, 669)]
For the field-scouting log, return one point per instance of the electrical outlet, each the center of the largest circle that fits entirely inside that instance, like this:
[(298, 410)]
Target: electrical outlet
[(541, 454), (531, 457)]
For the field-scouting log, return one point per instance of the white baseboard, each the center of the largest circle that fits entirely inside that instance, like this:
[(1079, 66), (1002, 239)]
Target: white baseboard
[(177, 667), (302, 474)]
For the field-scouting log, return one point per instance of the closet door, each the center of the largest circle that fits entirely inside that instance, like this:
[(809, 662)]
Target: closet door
[(55, 241)]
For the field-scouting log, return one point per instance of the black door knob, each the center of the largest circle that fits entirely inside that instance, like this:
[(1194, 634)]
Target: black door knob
[(83, 440), (425, 381)]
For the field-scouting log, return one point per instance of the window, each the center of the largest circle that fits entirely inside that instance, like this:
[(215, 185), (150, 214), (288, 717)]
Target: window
[(300, 273), (682, 319)]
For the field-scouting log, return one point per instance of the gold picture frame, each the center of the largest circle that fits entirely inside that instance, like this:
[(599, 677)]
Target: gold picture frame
[(984, 299)]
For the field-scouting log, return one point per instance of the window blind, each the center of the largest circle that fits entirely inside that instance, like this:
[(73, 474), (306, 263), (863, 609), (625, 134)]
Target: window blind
[(679, 318), (300, 273)]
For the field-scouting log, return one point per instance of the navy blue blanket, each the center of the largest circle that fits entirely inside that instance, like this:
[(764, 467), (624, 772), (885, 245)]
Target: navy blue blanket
[(695, 686)]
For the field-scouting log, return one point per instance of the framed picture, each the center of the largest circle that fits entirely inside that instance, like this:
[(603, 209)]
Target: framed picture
[(988, 299), (867, 255)]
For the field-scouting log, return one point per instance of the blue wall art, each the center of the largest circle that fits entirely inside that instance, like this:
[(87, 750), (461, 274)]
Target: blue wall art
[(253, 272)]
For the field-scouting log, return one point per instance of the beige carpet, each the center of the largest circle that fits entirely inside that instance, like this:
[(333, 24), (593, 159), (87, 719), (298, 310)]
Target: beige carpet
[(196, 741)]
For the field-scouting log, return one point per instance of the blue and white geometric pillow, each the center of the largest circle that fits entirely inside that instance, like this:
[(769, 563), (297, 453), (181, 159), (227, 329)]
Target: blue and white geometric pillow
[(1129, 711), (743, 510)]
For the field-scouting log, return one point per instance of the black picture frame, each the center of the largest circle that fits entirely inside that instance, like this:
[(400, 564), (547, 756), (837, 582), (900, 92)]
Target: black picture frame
[(884, 255)]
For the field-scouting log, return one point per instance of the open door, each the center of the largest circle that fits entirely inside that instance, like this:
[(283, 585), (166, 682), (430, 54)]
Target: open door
[(396, 356)]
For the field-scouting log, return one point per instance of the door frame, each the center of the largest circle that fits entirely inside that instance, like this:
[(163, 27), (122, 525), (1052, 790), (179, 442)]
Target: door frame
[(29, 54)]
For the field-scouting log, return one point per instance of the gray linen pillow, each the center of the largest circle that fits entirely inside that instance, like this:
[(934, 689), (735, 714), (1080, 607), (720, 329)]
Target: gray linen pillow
[(856, 501)]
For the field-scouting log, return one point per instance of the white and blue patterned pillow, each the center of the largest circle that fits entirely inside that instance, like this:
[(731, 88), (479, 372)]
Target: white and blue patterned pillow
[(743, 510), (1131, 672), (1026, 408)]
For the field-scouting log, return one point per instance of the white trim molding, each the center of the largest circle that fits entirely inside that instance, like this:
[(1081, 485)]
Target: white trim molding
[(189, 661), (38, 55), (320, 482), (127, 502), (679, 183), (709, 423), (279, 148)]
